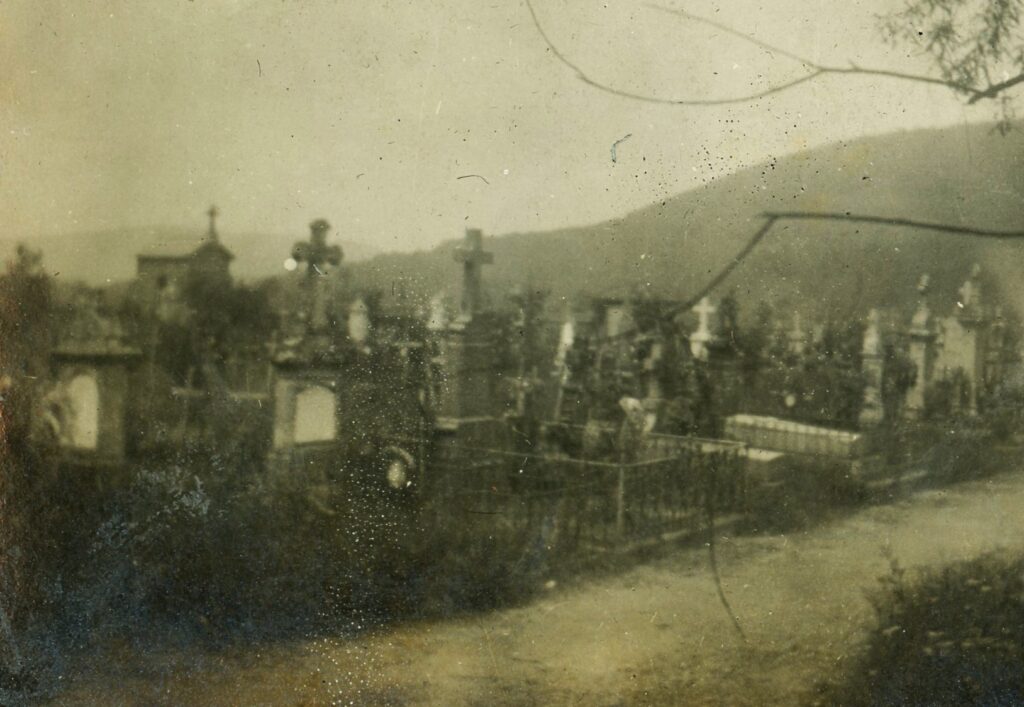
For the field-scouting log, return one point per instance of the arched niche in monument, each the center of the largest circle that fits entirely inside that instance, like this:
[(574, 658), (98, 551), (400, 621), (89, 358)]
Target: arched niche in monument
[(83, 412), (315, 415)]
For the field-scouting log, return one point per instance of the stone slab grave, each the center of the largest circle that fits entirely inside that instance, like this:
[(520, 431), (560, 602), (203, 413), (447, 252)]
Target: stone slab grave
[(778, 435)]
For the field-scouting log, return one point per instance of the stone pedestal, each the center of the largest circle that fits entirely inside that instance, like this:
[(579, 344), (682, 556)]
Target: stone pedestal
[(465, 368)]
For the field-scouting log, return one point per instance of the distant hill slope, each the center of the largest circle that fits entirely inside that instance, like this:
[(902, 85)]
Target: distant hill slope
[(100, 256), (963, 175)]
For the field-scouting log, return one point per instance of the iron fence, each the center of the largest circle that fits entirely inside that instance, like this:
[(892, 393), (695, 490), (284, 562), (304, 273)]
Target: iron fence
[(497, 502)]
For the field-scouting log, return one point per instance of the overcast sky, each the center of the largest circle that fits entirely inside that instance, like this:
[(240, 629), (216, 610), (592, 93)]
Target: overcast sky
[(121, 113)]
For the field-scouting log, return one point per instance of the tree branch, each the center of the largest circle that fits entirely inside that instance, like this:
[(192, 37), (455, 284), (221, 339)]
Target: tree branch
[(892, 221), (750, 39), (773, 217), (814, 71), (995, 89), (770, 220)]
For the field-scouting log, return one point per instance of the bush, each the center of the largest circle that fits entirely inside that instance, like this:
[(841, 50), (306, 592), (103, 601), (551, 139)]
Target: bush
[(954, 636)]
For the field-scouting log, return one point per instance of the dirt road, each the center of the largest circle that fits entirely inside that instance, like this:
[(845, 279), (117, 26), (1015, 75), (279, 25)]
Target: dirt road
[(653, 635)]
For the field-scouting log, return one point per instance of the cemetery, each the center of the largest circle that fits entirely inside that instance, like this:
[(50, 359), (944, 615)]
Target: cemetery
[(232, 444)]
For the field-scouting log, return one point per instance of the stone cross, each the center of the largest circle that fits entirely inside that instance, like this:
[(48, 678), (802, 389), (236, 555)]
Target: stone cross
[(700, 338), (704, 310), (473, 257), (213, 213), (317, 254)]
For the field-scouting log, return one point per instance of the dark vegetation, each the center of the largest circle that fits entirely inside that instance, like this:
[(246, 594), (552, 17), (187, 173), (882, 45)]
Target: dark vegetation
[(951, 636)]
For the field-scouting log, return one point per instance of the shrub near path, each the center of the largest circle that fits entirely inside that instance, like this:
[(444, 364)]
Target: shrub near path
[(954, 636)]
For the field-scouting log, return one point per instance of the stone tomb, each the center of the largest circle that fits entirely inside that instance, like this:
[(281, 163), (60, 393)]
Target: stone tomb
[(90, 401)]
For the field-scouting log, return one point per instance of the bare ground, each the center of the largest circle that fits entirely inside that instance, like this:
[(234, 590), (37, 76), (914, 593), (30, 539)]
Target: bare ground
[(656, 634)]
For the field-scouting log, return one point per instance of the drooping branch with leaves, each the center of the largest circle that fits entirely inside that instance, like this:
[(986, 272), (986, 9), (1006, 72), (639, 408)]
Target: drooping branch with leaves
[(972, 44)]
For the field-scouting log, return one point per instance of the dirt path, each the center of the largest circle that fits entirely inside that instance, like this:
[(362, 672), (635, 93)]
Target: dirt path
[(653, 635)]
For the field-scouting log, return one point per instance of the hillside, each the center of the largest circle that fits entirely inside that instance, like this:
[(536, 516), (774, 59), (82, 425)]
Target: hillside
[(99, 257), (963, 175)]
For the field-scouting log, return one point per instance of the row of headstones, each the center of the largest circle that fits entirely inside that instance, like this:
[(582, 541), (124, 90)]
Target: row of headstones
[(88, 405), (968, 345)]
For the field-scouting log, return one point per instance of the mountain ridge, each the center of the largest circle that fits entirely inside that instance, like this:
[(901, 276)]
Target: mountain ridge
[(672, 248), (962, 175)]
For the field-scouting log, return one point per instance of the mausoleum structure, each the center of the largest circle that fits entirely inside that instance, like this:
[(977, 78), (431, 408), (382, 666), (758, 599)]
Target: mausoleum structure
[(165, 268), (93, 366)]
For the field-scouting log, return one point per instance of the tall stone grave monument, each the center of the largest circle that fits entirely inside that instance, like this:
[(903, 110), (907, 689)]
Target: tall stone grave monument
[(922, 352), (965, 341), (466, 351), (872, 366), (308, 365), (702, 339)]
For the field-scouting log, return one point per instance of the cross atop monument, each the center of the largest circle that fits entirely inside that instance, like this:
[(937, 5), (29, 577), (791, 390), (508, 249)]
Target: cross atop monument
[(213, 213), (700, 339), (704, 310), (315, 252), (473, 257)]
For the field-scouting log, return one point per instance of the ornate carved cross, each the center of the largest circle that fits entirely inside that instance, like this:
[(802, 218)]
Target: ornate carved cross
[(316, 253)]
